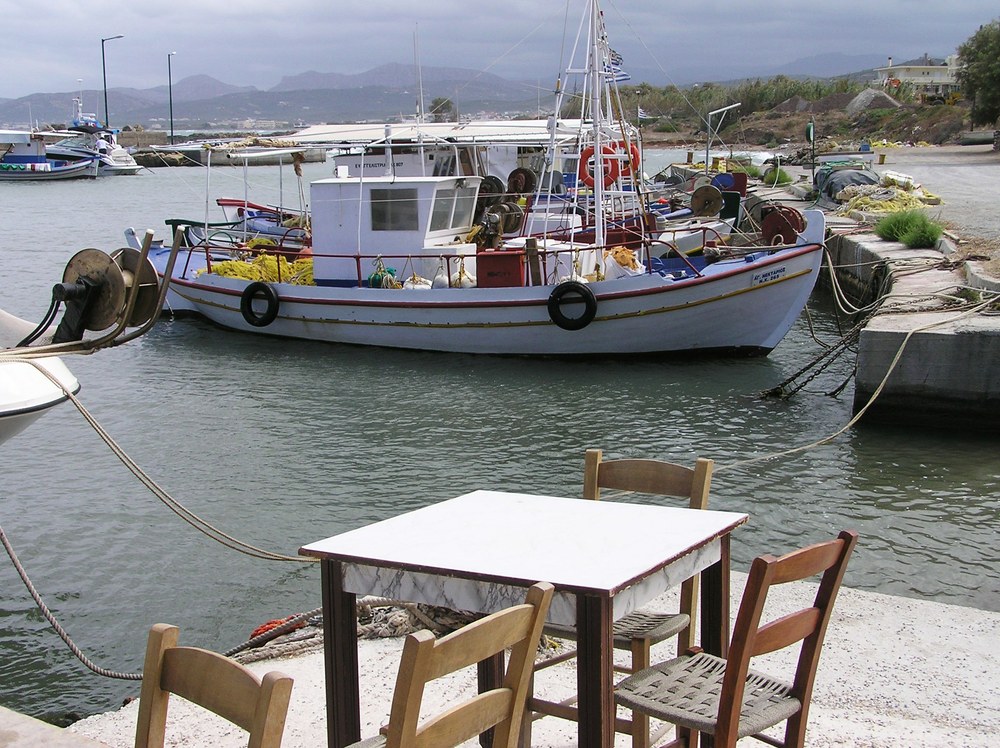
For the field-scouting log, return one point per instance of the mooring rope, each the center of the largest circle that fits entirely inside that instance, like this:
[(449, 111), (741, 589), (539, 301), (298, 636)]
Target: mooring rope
[(44, 609), (980, 307), (176, 507), (171, 503), (375, 629)]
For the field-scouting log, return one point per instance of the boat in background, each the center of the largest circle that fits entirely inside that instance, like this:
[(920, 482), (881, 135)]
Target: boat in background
[(447, 259), (87, 138), (24, 159)]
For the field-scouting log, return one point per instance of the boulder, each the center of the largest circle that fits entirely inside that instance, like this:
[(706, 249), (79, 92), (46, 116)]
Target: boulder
[(871, 98)]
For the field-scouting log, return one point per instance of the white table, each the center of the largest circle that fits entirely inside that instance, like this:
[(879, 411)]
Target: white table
[(479, 552)]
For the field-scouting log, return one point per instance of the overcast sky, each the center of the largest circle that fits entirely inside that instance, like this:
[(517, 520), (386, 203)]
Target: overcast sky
[(51, 45)]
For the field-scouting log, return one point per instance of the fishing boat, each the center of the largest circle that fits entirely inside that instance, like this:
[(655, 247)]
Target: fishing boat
[(23, 158), (443, 261)]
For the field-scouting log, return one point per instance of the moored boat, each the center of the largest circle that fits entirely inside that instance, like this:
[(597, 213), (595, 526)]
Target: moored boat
[(28, 387), (23, 158), (87, 139), (444, 260)]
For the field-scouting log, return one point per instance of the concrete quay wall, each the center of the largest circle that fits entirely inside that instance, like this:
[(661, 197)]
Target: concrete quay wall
[(948, 375)]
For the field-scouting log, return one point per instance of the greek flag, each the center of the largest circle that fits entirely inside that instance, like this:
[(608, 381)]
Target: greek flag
[(641, 113), (613, 68)]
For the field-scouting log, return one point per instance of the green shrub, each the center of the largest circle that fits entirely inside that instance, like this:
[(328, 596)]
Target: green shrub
[(894, 225), (922, 235), (911, 227), (750, 170), (775, 176)]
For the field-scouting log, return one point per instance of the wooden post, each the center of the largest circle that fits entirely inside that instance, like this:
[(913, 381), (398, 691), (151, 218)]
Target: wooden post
[(531, 254)]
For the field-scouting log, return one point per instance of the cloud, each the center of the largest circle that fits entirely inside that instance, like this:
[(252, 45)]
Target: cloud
[(257, 43)]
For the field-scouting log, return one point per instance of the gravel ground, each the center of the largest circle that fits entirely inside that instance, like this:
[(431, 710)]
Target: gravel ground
[(967, 178)]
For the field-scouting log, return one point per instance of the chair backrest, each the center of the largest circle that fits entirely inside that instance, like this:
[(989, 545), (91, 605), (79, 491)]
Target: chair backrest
[(215, 682), (647, 476), (655, 477), (807, 625), (426, 658)]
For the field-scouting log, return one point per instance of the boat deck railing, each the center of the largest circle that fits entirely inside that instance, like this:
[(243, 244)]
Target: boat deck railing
[(530, 264)]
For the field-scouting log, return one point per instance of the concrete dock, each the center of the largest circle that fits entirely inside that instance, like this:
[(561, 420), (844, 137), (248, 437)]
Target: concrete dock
[(948, 370), (894, 673)]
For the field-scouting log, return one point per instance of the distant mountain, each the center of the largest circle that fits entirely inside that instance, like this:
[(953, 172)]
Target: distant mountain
[(383, 93), (829, 65), (198, 88), (396, 76), (312, 81)]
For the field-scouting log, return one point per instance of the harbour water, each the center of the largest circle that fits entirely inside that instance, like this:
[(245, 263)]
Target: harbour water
[(282, 442)]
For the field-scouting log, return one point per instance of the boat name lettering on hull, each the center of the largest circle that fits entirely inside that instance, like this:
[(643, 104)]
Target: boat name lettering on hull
[(768, 276), (375, 164)]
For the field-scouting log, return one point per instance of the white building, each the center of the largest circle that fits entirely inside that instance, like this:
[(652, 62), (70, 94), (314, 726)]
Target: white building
[(928, 78)]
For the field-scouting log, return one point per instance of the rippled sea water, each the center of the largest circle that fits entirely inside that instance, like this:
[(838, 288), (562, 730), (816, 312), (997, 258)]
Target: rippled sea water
[(281, 443)]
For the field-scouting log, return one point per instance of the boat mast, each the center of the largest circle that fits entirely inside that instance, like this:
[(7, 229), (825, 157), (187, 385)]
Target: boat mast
[(597, 63), (420, 105)]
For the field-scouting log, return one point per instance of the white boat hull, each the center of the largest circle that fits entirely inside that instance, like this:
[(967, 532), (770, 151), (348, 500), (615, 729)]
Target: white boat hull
[(736, 306), (72, 170), (26, 393)]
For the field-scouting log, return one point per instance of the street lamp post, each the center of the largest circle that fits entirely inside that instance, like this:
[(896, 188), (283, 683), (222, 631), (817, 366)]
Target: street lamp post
[(170, 95), (104, 71)]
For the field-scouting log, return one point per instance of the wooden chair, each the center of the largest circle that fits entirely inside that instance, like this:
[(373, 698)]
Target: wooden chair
[(640, 630), (212, 681), (425, 658), (723, 697)]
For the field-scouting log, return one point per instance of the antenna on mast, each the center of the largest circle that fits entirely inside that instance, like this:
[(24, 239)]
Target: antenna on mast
[(420, 80)]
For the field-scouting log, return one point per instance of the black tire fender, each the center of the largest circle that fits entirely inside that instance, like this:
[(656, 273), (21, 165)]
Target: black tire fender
[(259, 290), (582, 293)]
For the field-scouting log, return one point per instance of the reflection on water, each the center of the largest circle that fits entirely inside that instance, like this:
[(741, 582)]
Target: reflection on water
[(284, 442)]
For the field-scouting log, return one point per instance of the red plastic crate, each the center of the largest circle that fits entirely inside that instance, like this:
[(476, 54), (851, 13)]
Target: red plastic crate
[(499, 269)]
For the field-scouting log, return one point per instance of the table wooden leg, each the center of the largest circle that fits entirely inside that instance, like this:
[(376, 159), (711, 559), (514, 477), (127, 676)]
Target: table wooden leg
[(340, 651), (490, 674), (594, 672), (715, 604)]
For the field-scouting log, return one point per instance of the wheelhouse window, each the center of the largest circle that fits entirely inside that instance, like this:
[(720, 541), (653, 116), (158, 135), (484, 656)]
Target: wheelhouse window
[(444, 204), (395, 210), (465, 206), (453, 207)]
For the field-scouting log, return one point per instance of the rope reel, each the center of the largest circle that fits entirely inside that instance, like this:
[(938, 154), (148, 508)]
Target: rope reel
[(706, 201), (782, 224), (96, 288)]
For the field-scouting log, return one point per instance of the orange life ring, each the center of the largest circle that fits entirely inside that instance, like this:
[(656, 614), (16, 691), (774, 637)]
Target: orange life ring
[(610, 166), (632, 156)]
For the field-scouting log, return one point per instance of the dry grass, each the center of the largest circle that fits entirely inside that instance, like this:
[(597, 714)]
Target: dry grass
[(984, 251)]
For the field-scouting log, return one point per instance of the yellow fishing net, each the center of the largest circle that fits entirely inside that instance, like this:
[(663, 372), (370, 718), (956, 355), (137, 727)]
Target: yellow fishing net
[(269, 268)]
